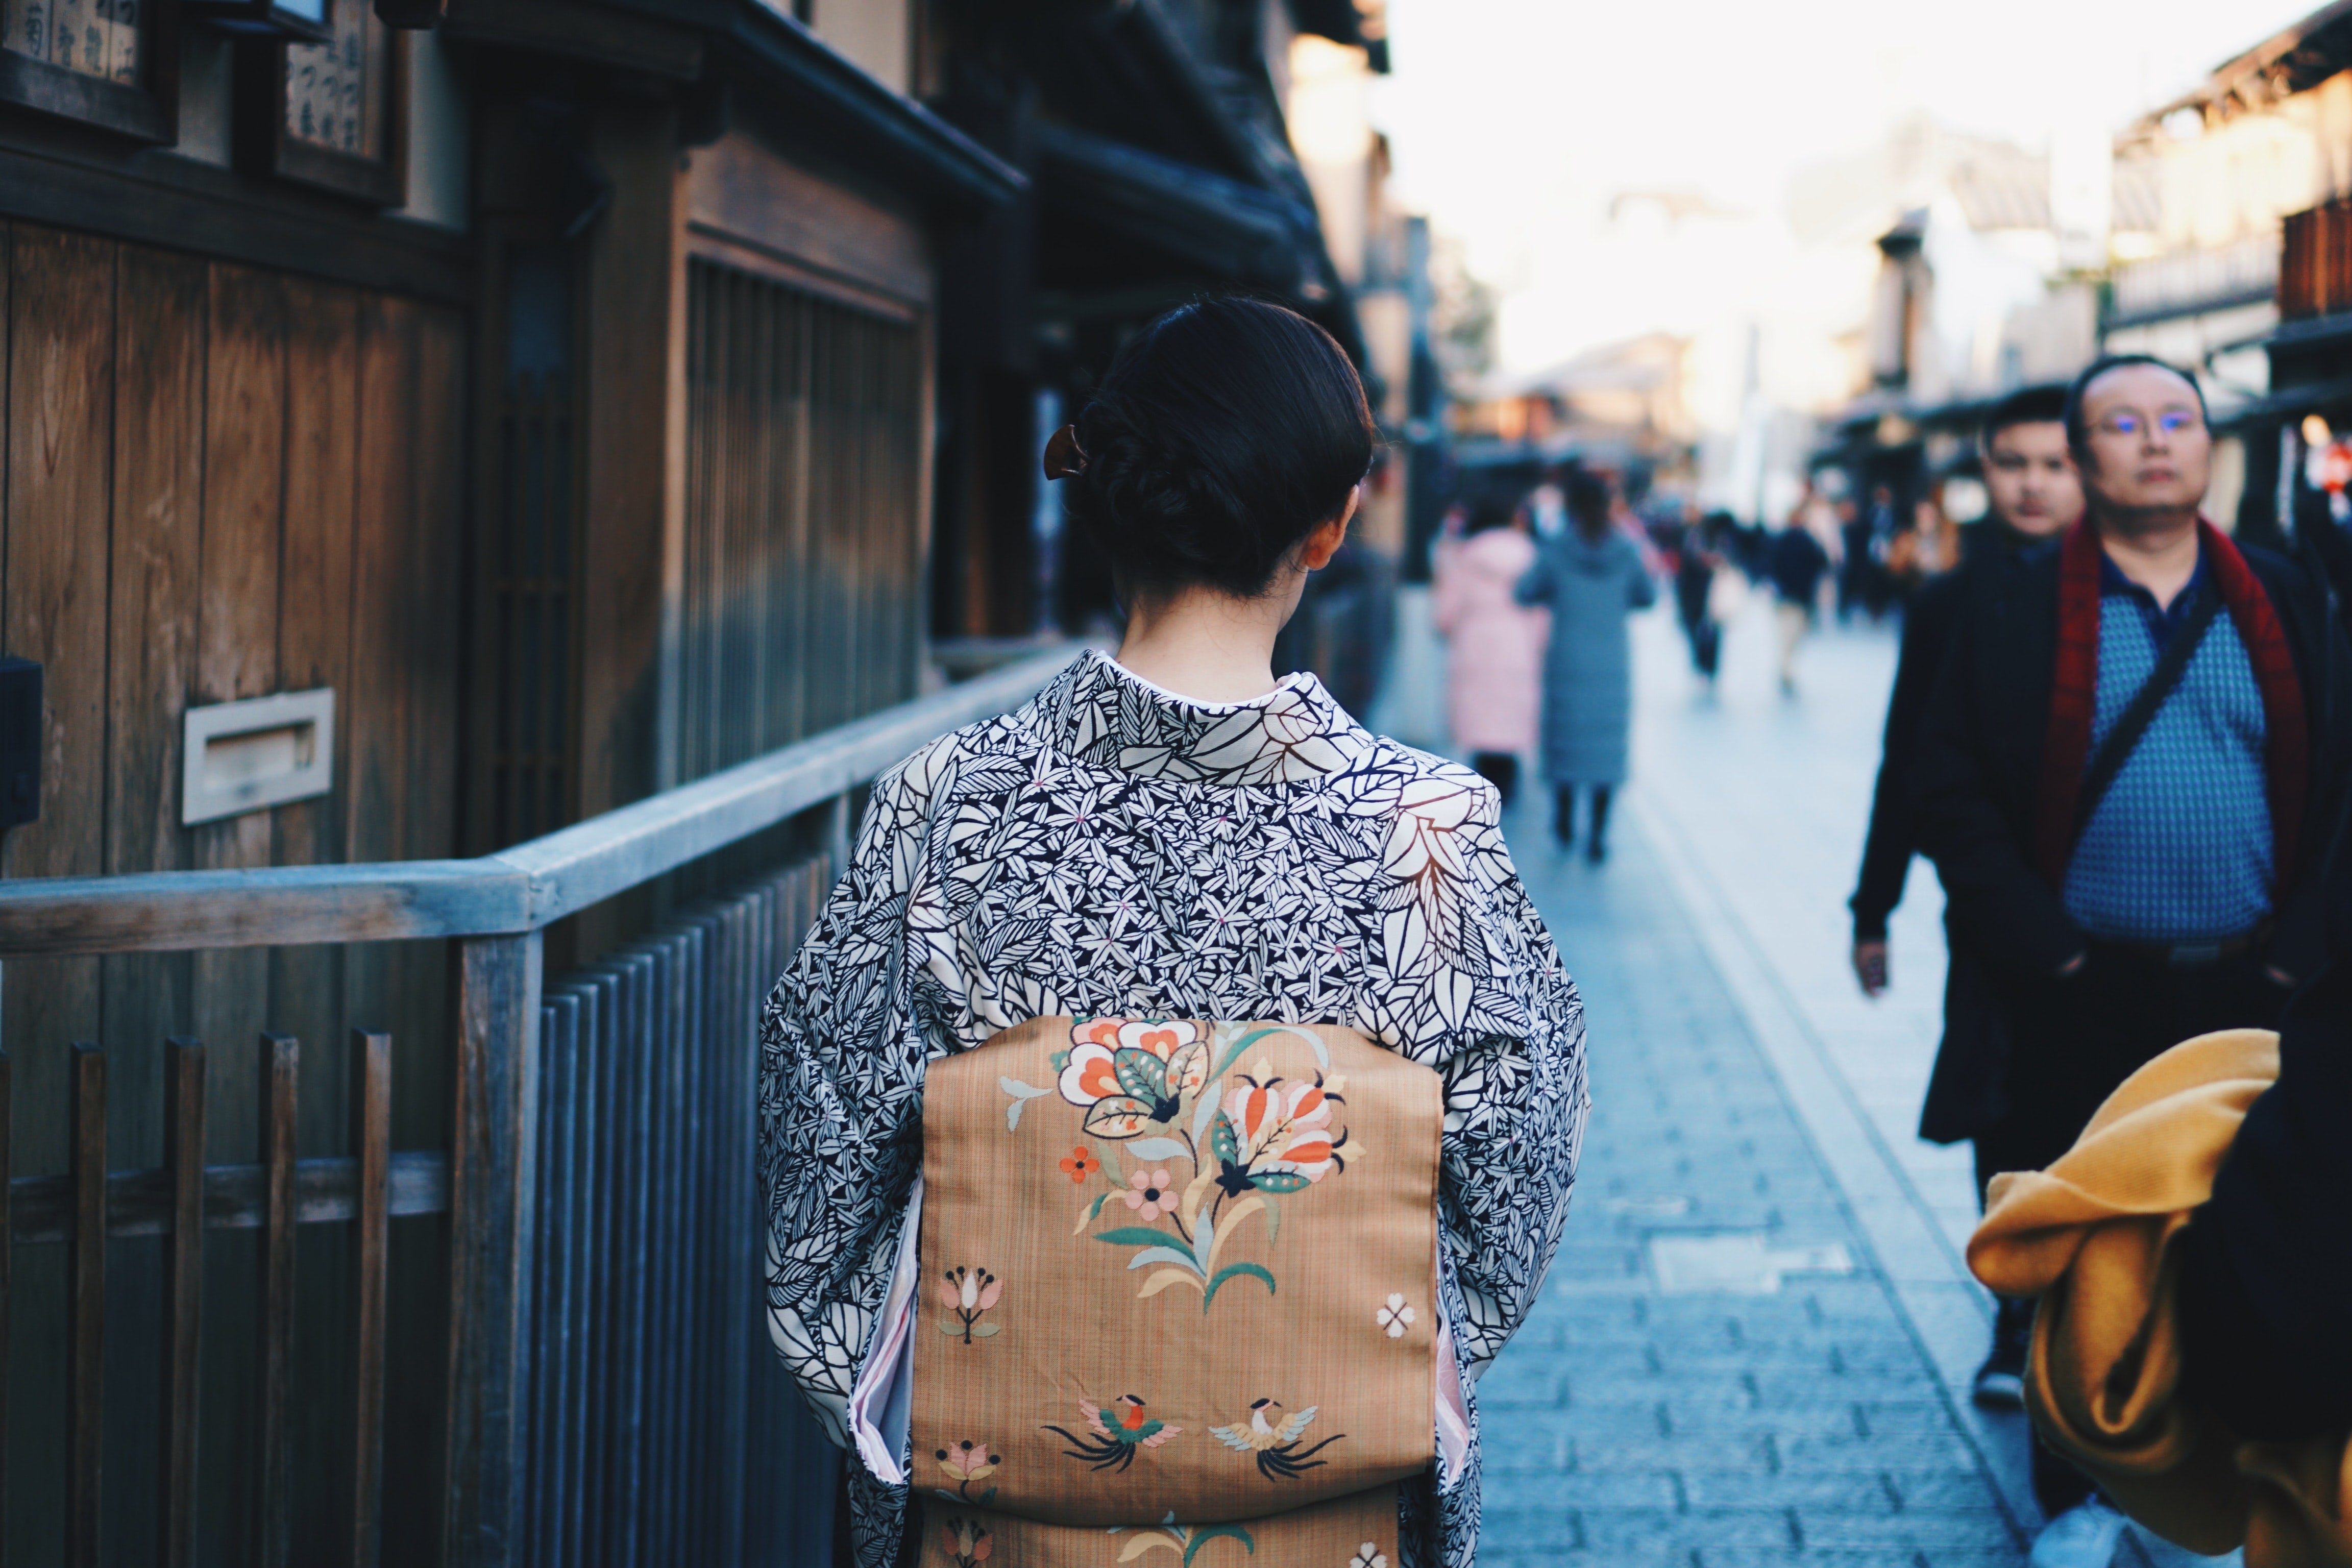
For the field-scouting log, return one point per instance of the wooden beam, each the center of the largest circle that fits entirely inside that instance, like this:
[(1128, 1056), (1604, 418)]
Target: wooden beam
[(372, 1136), (581, 865), (174, 910), (183, 1262), (7, 1282), (85, 1293), (187, 204), (236, 1197), (522, 890), (590, 32), (741, 190), (492, 1179), (279, 1057)]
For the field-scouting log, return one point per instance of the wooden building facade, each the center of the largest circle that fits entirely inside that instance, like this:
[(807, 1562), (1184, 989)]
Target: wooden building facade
[(1160, 169), (552, 383)]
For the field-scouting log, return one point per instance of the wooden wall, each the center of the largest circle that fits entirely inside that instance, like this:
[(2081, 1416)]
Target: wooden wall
[(222, 482), (803, 538)]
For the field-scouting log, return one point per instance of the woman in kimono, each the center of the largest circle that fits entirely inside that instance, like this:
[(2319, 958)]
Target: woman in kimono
[(1591, 576), (1175, 833)]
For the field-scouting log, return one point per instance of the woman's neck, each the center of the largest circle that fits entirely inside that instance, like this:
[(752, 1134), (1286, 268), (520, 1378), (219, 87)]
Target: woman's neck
[(1206, 645)]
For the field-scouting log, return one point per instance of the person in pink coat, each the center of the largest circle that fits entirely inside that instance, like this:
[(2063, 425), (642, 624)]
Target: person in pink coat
[(1496, 644)]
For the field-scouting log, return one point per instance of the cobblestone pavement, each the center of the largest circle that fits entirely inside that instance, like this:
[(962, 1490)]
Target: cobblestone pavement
[(1754, 1345)]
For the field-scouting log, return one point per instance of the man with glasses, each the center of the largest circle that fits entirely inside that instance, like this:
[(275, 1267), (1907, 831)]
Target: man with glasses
[(2130, 773)]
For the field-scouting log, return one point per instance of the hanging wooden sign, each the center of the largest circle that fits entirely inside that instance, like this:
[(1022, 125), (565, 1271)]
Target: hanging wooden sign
[(330, 114), (113, 64)]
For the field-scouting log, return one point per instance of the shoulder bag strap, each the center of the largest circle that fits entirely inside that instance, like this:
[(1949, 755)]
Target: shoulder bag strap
[(2116, 749)]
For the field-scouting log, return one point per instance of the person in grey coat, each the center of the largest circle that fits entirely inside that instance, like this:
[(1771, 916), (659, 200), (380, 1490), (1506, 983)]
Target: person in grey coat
[(1592, 576)]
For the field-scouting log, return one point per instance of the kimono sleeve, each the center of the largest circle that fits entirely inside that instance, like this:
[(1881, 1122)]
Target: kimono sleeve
[(840, 1077), (1515, 1099)]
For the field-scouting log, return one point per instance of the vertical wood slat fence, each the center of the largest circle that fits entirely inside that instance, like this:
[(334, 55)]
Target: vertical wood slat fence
[(182, 1200), (647, 1419), (610, 1395)]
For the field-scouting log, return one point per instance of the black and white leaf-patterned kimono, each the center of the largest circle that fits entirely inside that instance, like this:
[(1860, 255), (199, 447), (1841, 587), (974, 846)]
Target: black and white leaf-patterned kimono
[(1114, 848)]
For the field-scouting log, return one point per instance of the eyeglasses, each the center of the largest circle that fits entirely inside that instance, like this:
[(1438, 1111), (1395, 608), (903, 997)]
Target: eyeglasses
[(2130, 422)]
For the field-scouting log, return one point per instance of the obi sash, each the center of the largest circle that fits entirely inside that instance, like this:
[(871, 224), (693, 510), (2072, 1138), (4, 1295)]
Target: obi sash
[(1178, 1294)]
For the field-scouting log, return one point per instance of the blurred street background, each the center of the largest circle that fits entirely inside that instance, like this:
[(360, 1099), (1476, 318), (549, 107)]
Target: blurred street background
[(442, 432), (1758, 1342)]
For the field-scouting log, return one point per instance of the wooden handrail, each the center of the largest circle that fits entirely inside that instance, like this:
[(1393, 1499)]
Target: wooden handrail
[(518, 890)]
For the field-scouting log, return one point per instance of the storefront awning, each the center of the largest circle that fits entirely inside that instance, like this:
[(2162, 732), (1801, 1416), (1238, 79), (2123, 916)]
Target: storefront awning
[(1235, 232)]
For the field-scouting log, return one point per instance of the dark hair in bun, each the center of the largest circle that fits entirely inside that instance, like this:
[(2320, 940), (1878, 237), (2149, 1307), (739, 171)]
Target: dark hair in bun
[(1221, 435)]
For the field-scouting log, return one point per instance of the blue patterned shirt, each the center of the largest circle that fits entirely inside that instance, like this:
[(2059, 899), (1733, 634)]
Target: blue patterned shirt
[(2179, 850)]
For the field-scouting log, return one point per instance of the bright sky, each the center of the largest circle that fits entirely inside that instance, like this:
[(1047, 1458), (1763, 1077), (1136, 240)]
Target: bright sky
[(1514, 121)]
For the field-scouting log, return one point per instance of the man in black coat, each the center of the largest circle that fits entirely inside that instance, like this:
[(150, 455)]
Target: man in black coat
[(2130, 773), (2036, 495)]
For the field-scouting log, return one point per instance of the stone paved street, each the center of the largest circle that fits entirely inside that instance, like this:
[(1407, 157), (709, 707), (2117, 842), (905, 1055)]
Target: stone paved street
[(1755, 1344)]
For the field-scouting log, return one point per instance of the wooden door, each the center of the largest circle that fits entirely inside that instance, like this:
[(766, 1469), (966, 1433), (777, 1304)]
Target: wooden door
[(223, 481)]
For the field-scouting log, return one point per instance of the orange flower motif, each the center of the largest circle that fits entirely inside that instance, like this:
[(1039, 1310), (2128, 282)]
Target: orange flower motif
[(1165, 1058), (1080, 1164)]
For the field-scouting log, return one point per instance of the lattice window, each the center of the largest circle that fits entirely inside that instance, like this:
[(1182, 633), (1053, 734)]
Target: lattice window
[(532, 586), (803, 527)]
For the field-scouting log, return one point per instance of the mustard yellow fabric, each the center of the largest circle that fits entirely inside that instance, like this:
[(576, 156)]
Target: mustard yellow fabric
[(1178, 1284), (2094, 1238)]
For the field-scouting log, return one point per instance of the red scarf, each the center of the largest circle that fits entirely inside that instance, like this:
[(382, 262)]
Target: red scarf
[(2075, 686)]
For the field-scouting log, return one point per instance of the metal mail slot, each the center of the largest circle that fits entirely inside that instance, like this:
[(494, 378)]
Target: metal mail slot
[(264, 752)]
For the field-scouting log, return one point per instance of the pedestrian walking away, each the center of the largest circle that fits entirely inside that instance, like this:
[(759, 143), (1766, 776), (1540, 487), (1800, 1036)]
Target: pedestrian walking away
[(1795, 561), (2128, 775), (1155, 843), (2035, 496), (1591, 577), (1704, 579), (1495, 645)]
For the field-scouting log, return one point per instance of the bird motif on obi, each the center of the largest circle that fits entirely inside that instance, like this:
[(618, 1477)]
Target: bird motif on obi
[(1279, 1454), (1114, 1435)]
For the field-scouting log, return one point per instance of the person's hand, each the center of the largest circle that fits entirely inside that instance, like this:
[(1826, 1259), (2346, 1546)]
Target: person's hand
[(2073, 966), (2279, 977), (1870, 966)]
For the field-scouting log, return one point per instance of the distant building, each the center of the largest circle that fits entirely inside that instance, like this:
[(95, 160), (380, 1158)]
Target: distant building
[(2234, 259), (1615, 406), (1976, 293)]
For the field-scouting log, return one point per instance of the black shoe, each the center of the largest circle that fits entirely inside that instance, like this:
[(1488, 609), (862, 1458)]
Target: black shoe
[(1596, 851), (2001, 1382)]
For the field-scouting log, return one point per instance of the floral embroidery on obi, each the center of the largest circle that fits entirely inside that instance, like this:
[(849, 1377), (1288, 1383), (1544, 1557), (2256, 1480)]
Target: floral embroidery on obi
[(1183, 1354)]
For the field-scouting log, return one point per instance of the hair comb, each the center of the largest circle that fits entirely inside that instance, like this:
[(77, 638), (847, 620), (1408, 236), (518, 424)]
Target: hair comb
[(1064, 458)]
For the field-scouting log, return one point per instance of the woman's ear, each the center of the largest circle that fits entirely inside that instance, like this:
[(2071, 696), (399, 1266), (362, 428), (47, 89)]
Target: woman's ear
[(1324, 542)]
